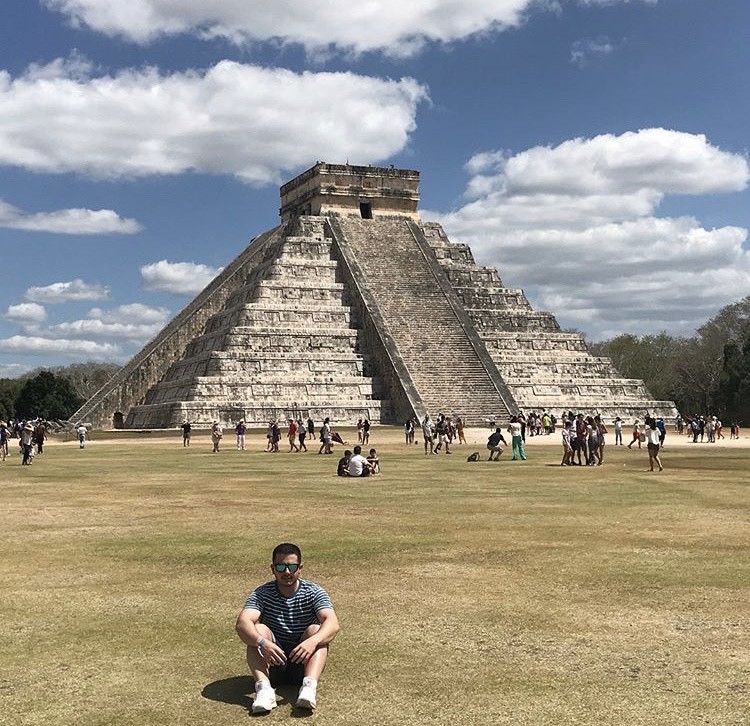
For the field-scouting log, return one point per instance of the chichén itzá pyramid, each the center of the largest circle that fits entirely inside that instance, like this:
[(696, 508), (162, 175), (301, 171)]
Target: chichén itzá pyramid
[(354, 307)]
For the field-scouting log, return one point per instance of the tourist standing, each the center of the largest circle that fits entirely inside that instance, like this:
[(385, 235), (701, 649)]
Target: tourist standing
[(514, 428), (409, 430), (27, 442), (460, 430), (311, 429), (427, 434), (40, 435), (618, 431), (275, 436), (216, 435), (239, 431), (567, 458), (652, 441), (4, 435), (441, 434), (325, 437), (186, 429), (82, 436), (292, 436), (365, 432), (301, 435)]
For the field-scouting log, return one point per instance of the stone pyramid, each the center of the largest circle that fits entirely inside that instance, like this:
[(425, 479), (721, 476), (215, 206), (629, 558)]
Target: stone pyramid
[(353, 307)]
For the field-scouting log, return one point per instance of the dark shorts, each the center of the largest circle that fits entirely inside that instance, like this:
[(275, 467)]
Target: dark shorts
[(654, 448), (290, 674)]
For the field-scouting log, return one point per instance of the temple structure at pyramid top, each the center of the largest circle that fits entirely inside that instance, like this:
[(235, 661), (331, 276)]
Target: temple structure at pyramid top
[(355, 307), (363, 191)]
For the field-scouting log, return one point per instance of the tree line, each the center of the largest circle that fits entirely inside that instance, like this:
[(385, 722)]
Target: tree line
[(708, 372), (53, 394)]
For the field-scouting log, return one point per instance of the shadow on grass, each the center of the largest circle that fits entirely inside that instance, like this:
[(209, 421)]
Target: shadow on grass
[(238, 691)]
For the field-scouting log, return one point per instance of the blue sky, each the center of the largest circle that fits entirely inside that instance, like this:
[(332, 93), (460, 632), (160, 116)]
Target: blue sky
[(594, 151)]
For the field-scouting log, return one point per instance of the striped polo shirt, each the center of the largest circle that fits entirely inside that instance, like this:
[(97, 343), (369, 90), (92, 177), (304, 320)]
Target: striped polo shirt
[(288, 617)]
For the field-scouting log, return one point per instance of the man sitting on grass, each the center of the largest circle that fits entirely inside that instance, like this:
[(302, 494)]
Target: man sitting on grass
[(287, 625), (343, 467), (358, 465)]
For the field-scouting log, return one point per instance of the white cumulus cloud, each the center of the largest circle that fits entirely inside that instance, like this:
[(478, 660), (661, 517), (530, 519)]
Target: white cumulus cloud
[(26, 314), (178, 278), (60, 292), (134, 313), (34, 345), (136, 323), (255, 123), (392, 26), (577, 226), (68, 221)]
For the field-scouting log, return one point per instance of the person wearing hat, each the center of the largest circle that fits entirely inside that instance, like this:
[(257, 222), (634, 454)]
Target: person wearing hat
[(27, 442), (82, 432)]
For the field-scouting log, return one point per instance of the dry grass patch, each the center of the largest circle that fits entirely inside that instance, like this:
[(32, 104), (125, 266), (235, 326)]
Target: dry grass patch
[(510, 593)]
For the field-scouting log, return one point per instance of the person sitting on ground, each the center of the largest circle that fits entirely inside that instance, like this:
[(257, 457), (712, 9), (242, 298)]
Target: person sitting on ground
[(358, 465), (343, 467), (287, 625), (374, 461), (496, 444)]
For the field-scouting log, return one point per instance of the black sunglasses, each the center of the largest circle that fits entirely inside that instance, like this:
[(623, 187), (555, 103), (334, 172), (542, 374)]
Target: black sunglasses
[(291, 566)]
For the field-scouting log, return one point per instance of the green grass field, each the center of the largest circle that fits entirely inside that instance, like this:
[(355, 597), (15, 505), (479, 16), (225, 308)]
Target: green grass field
[(488, 593)]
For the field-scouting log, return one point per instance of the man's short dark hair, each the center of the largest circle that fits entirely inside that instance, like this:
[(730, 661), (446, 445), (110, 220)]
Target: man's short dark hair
[(357, 449), (284, 549)]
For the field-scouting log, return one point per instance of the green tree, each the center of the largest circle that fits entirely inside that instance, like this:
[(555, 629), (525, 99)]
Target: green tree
[(9, 388), (48, 396), (733, 394), (652, 358)]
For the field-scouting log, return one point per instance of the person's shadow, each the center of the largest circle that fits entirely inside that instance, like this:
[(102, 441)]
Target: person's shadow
[(238, 691)]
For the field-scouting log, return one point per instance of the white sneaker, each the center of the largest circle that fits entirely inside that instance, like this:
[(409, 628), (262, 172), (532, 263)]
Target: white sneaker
[(306, 698), (265, 700)]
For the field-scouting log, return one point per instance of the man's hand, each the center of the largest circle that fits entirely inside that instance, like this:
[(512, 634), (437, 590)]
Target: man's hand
[(273, 654), (304, 651)]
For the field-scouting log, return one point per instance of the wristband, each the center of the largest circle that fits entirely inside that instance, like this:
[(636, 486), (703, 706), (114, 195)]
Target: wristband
[(261, 643)]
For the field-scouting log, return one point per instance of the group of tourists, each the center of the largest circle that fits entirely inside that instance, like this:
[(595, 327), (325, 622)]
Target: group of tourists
[(705, 429), (31, 435), (355, 464), (439, 434)]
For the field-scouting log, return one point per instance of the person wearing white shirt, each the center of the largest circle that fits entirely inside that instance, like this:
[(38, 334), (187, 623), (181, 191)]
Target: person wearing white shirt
[(358, 464)]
